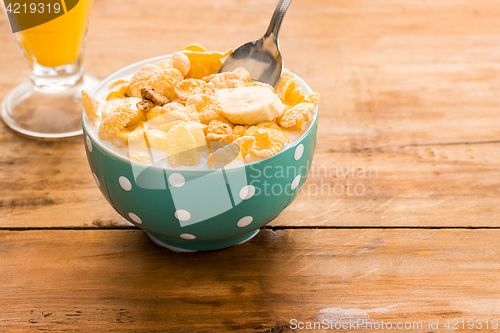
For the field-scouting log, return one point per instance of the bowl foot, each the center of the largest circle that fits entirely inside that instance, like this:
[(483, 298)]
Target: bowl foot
[(187, 246)]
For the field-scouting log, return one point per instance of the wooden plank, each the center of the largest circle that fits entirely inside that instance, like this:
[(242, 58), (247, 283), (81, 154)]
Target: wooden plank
[(111, 280), (48, 183), (432, 186), (391, 72)]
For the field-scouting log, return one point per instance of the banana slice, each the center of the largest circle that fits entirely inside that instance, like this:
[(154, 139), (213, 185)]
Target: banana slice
[(249, 105)]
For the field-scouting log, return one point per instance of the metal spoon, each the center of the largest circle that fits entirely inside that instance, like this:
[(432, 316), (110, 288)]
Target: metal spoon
[(261, 57)]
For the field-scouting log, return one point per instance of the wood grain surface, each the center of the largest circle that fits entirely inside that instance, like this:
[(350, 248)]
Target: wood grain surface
[(118, 281), (431, 186), (409, 140), (399, 82)]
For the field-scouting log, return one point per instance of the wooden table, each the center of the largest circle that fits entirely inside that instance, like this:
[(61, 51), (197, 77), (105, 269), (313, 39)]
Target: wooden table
[(410, 95)]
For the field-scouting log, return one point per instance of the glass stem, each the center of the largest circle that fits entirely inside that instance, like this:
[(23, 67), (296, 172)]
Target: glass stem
[(56, 79)]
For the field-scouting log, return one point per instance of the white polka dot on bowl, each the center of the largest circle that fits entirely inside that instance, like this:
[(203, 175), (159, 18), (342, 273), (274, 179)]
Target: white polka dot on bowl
[(188, 236), (298, 152), (244, 221), (96, 179), (295, 182), (176, 180), (135, 218), (247, 192), (89, 144), (125, 183), (182, 215)]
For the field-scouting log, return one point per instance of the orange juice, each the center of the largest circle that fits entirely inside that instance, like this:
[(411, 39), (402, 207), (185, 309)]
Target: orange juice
[(57, 42)]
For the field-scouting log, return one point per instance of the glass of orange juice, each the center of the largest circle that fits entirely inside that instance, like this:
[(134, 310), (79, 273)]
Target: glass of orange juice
[(48, 103)]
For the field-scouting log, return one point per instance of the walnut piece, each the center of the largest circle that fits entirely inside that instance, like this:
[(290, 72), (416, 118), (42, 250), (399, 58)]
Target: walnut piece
[(144, 105), (154, 97)]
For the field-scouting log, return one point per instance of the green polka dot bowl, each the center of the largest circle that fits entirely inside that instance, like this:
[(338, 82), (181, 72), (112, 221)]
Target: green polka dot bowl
[(193, 210)]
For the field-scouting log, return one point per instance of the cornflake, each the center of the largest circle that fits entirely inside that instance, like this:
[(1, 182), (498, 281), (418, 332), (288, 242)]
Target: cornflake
[(224, 81), (117, 82), (173, 106), (313, 98), (269, 139), (181, 62), (166, 127), (135, 135), (239, 148), (189, 87), (204, 63), (165, 64), (119, 113), (286, 76), (182, 147), (118, 94), (139, 117), (220, 131), (157, 139), (196, 130), (194, 47), (139, 158), (207, 106), (90, 105), (160, 115), (239, 130), (154, 77), (295, 114)]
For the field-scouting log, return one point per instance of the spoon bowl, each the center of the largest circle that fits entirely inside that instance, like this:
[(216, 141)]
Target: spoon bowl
[(261, 57)]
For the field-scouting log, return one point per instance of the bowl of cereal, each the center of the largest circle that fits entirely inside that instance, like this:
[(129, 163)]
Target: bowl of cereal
[(198, 160)]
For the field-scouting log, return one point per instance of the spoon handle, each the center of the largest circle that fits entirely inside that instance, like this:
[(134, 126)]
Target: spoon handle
[(279, 14)]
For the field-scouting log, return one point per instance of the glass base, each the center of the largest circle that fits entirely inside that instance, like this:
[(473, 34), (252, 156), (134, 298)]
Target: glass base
[(46, 115)]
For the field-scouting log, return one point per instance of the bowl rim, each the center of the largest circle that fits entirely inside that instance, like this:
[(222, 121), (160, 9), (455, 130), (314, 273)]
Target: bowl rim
[(87, 123)]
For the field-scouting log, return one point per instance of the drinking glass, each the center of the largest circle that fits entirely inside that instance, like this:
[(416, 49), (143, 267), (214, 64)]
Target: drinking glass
[(48, 104)]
